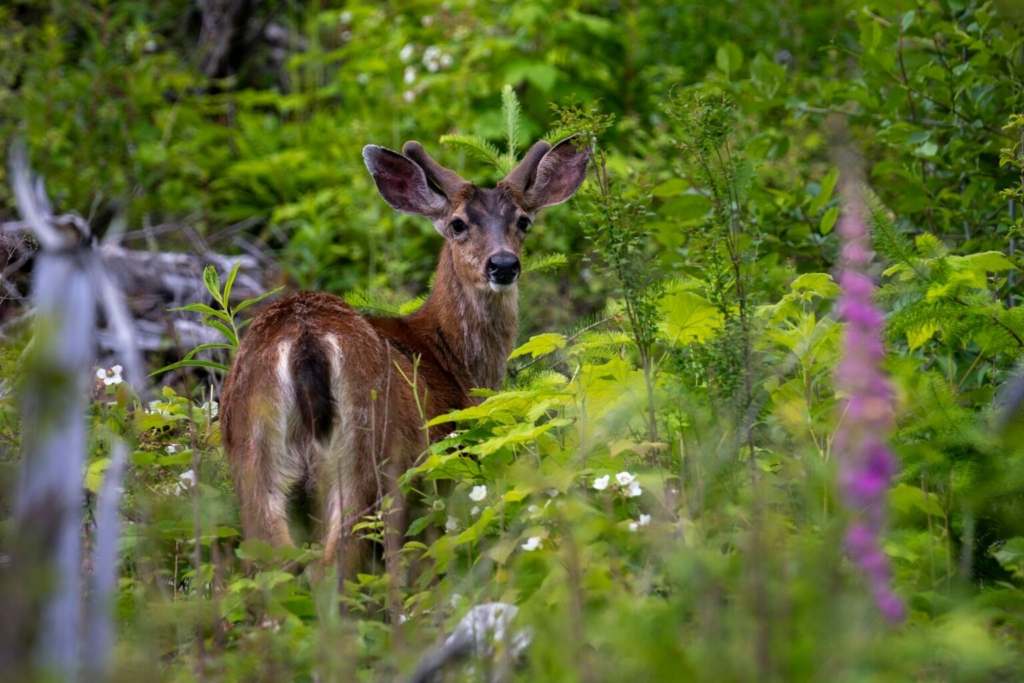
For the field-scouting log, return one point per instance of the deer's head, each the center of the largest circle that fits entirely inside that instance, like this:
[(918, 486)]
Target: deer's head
[(485, 227)]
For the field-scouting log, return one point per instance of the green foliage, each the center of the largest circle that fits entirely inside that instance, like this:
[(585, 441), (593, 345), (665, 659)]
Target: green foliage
[(678, 332)]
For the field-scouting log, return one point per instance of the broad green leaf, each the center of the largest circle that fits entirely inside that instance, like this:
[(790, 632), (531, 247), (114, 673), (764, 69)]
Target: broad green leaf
[(94, 474), (729, 57), (689, 318), (540, 345), (821, 284), (670, 188), (989, 261), (904, 498), (686, 207), (1011, 554)]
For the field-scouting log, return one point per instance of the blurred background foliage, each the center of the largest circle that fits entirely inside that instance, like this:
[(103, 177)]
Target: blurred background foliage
[(691, 318)]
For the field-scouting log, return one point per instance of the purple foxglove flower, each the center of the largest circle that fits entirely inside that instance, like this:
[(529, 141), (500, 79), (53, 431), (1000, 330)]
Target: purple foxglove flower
[(866, 411)]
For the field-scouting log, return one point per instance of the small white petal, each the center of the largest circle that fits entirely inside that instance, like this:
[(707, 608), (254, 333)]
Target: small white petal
[(553, 493), (173, 448), (452, 524), (601, 483), (410, 75), (478, 493), (624, 478), (101, 374), (645, 520), (188, 478), (532, 543), (634, 489), (345, 17), (409, 95), (475, 511), (432, 52), (446, 61), (427, 20), (632, 526), (405, 54), (532, 508)]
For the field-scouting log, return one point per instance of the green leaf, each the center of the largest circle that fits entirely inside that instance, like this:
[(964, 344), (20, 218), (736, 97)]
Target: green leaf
[(689, 318), (94, 474), (828, 185), (729, 57), (191, 364), (821, 284), (261, 297), (231, 281), (1011, 554), (206, 347), (540, 264), (212, 282), (670, 188), (686, 207), (540, 345), (904, 498), (223, 329), (828, 221), (989, 261)]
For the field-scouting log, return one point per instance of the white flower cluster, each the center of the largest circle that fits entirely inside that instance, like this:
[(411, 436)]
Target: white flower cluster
[(433, 61), (626, 484), (644, 521)]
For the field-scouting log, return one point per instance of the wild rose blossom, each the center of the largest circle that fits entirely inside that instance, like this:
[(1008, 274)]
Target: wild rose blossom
[(867, 463)]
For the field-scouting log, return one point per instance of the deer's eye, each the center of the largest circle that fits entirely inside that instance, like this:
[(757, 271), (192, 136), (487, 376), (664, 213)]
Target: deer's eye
[(524, 223), (459, 226)]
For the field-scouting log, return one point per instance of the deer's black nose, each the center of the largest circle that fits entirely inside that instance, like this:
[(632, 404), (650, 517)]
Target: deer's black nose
[(503, 269)]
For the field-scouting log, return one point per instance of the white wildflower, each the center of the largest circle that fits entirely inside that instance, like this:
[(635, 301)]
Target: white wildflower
[(405, 54), (624, 478), (478, 494), (432, 53), (410, 75), (532, 543), (345, 17), (475, 511), (346, 36), (432, 66), (187, 479), (172, 449), (633, 490), (362, 78), (553, 493), (601, 483), (427, 20), (446, 60), (409, 96), (210, 408), (633, 526), (111, 376), (451, 525), (533, 508), (402, 618)]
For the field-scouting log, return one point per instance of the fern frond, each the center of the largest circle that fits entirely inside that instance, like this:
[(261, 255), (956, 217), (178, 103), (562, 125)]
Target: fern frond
[(374, 304), (888, 239), (539, 264), (510, 113), (478, 148)]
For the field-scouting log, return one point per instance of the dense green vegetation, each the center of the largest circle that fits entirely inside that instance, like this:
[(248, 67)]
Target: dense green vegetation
[(677, 324)]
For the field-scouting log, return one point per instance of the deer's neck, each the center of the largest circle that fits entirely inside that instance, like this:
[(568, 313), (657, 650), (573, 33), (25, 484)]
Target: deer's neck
[(472, 330)]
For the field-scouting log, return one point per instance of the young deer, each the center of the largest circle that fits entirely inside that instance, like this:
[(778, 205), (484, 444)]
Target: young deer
[(321, 397)]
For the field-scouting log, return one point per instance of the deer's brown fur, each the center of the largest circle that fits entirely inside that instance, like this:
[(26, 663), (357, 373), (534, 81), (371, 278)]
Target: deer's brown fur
[(319, 396)]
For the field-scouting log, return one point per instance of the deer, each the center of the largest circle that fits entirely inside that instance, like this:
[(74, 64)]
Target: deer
[(326, 405)]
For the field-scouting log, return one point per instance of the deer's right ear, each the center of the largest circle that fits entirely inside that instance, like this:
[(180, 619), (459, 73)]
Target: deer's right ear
[(402, 183)]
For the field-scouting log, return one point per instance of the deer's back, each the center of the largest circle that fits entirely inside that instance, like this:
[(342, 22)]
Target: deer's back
[(310, 357)]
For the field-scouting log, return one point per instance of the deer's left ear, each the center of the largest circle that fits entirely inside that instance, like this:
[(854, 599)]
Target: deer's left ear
[(559, 174)]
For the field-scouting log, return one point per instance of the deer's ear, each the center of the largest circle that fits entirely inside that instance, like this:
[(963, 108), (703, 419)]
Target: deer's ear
[(402, 183), (559, 174)]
